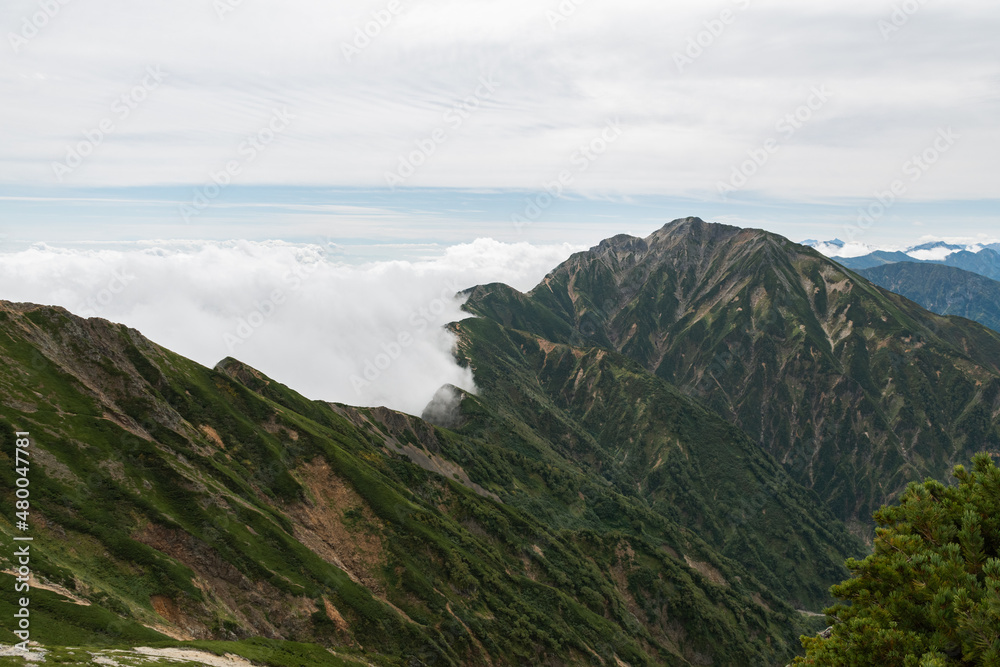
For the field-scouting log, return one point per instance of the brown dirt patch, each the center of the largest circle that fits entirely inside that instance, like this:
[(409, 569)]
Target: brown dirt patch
[(334, 615), (212, 435), (707, 571), (319, 525)]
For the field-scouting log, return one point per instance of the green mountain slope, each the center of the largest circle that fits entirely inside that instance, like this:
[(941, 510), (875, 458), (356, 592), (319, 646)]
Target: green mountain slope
[(944, 290), (874, 259), (517, 445), (174, 502), (854, 389), (656, 449)]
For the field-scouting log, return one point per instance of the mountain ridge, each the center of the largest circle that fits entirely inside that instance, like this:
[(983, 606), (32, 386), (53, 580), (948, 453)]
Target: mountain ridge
[(985, 262), (726, 314), (945, 290), (219, 504)]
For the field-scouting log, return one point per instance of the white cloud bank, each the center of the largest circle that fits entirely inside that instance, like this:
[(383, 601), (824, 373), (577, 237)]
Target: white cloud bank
[(852, 249), (937, 254), (364, 335)]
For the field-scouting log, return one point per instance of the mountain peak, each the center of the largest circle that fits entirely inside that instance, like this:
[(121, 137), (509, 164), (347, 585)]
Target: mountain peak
[(620, 243), (737, 317), (694, 227), (692, 221), (246, 375)]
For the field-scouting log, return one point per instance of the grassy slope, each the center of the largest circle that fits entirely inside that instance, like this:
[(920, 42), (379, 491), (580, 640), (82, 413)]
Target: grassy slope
[(223, 506), (658, 448)]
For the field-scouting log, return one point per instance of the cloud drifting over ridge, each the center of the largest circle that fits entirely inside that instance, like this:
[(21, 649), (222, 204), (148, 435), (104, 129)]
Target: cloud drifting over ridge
[(363, 335)]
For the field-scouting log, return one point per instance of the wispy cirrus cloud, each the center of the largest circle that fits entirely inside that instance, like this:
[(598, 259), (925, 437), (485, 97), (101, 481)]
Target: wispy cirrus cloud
[(557, 85)]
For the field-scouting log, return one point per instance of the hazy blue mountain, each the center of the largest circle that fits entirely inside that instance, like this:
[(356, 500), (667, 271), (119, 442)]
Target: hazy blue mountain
[(877, 258), (945, 290), (986, 262)]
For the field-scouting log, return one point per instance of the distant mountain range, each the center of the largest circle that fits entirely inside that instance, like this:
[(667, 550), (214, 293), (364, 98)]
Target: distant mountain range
[(676, 442), (981, 259), (944, 290)]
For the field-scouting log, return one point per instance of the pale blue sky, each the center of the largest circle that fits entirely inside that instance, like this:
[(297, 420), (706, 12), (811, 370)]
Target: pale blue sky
[(378, 224), (450, 118)]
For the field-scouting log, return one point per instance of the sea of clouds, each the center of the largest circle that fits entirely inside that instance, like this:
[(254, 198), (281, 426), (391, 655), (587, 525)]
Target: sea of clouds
[(370, 334)]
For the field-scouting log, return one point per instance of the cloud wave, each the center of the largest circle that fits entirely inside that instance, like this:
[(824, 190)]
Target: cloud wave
[(364, 335)]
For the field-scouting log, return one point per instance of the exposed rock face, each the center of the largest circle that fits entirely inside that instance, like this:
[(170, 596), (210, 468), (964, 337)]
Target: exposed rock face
[(445, 408), (414, 438)]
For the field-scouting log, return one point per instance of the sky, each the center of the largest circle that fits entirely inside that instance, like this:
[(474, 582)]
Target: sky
[(374, 115), (208, 145)]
